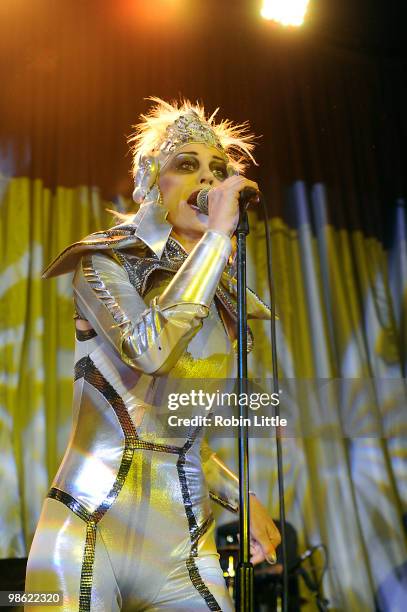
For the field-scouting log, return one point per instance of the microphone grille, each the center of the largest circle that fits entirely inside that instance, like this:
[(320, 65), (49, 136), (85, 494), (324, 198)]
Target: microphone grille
[(202, 200)]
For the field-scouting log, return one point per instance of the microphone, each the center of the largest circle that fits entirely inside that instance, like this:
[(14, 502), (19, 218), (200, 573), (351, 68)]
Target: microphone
[(305, 555), (247, 196)]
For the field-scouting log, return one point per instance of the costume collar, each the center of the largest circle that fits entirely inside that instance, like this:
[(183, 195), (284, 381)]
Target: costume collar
[(148, 226), (151, 225)]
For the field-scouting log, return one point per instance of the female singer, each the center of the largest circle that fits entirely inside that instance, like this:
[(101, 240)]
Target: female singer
[(127, 523)]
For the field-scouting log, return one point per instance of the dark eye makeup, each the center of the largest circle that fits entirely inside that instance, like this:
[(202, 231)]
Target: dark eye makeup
[(189, 163), (219, 170), (186, 163)]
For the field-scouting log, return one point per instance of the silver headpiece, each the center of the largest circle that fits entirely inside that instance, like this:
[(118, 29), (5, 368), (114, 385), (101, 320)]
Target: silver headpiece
[(189, 127), (169, 126)]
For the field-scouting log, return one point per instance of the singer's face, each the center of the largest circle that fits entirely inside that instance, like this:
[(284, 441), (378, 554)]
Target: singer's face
[(194, 167)]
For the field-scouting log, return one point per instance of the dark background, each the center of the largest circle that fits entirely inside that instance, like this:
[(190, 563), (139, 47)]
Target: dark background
[(329, 99)]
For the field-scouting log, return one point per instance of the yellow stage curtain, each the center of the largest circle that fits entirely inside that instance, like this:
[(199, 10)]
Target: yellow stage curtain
[(342, 338), (341, 301), (37, 340)]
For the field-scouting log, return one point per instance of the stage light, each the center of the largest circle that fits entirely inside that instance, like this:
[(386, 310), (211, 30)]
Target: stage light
[(286, 12)]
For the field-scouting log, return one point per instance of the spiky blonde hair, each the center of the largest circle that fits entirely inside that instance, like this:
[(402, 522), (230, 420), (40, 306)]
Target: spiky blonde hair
[(236, 140)]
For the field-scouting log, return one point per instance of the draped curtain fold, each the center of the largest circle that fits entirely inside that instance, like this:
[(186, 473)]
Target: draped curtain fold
[(37, 344), (341, 299)]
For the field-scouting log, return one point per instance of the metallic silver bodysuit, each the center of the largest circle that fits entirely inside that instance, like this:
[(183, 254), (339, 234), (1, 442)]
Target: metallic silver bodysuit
[(127, 523)]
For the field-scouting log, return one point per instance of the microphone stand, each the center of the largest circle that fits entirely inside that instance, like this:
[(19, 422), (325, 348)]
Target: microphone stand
[(245, 572)]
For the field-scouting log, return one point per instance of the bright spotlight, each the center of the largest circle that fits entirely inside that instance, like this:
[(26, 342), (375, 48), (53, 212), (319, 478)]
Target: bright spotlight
[(286, 12)]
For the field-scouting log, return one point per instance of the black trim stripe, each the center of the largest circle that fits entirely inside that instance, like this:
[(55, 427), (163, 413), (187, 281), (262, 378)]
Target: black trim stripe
[(85, 593), (192, 524), (195, 532), (199, 533), (223, 502), (161, 448), (69, 501), (85, 334), (81, 367), (95, 378), (200, 586), (85, 368)]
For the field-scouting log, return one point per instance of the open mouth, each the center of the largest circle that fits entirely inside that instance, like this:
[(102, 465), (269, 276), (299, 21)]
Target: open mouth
[(192, 201)]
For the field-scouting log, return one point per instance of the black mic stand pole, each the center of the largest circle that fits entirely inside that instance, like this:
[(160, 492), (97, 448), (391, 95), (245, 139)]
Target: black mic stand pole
[(245, 572)]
